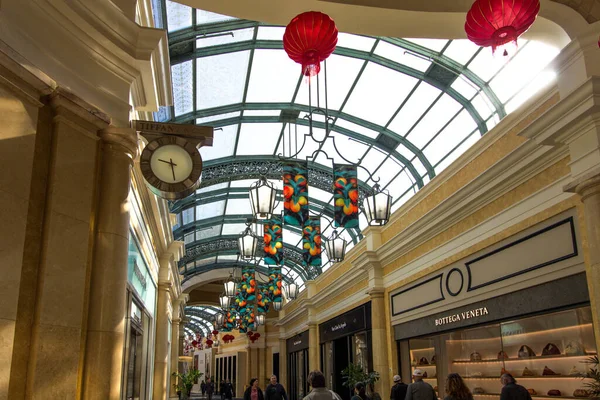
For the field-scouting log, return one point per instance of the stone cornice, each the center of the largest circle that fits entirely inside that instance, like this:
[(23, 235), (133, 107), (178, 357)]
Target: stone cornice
[(94, 49)]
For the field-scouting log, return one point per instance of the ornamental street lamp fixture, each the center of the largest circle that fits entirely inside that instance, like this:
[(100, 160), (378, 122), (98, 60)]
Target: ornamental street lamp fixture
[(378, 207), (224, 300), (230, 286), (291, 291), (248, 243), (278, 305), (262, 198), (219, 319), (336, 247), (260, 319)]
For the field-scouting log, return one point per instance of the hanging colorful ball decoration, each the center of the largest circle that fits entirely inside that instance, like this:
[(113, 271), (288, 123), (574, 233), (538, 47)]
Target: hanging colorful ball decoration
[(498, 23), (310, 38)]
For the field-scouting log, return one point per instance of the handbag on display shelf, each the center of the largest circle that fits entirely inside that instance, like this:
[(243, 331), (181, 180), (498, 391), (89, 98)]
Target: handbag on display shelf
[(528, 372), (581, 393), (526, 352), (475, 356), (532, 392), (423, 361), (574, 372), (554, 392), (548, 371), (550, 350), (478, 390), (433, 359), (502, 355), (574, 348)]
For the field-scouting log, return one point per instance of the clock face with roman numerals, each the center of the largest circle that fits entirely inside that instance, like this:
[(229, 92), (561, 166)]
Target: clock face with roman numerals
[(172, 167)]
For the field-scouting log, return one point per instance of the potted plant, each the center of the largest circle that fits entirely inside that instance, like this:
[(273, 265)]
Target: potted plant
[(353, 374), (593, 374), (185, 382)]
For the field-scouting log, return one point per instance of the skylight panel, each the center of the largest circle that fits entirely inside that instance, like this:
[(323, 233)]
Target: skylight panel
[(435, 119), (470, 141), (211, 188), (235, 36), (233, 229), (451, 136), (356, 42), (370, 133), (461, 50), (401, 56), (388, 170), (542, 81), (178, 16), (432, 44), (465, 87), (271, 33), (341, 73), (208, 232), (223, 144), (218, 117), (273, 77), (221, 79), (372, 160), (399, 185), (258, 138), (483, 105), (207, 17), (210, 210), (417, 104), (238, 207), (183, 90), (379, 105)]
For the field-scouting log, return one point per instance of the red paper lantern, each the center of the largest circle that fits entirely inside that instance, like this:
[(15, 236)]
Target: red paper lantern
[(309, 39), (498, 23), (209, 343), (249, 333), (215, 332)]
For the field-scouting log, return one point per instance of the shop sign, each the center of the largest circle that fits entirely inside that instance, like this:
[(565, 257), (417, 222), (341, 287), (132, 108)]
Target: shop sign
[(297, 342), (477, 312), (139, 277), (356, 320)]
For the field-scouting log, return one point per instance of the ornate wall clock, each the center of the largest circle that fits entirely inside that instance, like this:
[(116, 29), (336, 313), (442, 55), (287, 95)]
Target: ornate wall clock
[(170, 162)]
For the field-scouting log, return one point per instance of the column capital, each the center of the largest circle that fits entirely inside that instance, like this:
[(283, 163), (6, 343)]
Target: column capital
[(165, 285), (586, 185), (70, 108), (124, 139), (376, 292)]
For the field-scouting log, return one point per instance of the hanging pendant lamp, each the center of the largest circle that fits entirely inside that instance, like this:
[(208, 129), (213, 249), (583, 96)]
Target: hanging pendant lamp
[(310, 38), (498, 23)]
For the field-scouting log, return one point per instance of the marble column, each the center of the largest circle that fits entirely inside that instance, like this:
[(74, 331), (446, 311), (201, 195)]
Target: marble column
[(174, 355), (589, 189), (379, 340), (282, 363), (161, 349), (313, 347), (108, 284)]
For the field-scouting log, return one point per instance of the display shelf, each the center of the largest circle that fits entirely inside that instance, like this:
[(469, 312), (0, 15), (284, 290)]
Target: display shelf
[(537, 396), (494, 360), (423, 365)]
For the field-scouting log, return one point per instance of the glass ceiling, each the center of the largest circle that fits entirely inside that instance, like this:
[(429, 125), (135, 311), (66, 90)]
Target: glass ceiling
[(404, 109), (200, 319)]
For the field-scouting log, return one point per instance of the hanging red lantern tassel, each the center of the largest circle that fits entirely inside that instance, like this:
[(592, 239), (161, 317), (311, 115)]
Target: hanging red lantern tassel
[(310, 38), (498, 23)]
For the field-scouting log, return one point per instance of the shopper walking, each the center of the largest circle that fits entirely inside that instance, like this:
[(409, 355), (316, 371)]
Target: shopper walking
[(203, 388), (228, 390), (253, 392), (512, 391), (318, 391), (359, 392), (420, 390), (456, 388), (210, 388), (399, 389), (275, 390)]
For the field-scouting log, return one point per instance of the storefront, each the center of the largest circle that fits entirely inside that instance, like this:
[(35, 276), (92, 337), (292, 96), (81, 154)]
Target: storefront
[(297, 362), (521, 307), (345, 339), (139, 343)]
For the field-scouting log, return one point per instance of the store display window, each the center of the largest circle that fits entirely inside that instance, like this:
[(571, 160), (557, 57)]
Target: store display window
[(546, 354)]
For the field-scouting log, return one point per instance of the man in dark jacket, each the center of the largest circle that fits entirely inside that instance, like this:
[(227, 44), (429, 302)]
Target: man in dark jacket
[(512, 391), (275, 391), (419, 389), (210, 388), (228, 390), (399, 389)]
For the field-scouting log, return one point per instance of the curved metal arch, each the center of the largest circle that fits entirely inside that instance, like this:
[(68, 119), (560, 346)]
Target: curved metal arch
[(188, 274), (200, 314), (352, 53), (203, 307), (196, 327), (189, 117), (202, 322), (180, 53)]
